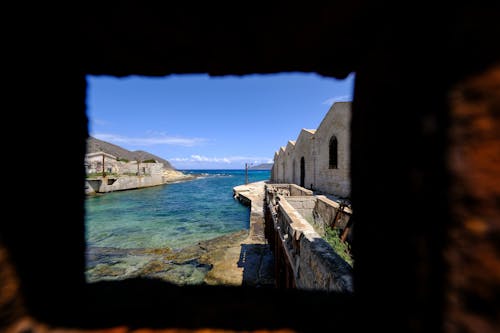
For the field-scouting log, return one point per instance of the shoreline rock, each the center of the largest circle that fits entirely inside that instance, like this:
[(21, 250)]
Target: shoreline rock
[(189, 265)]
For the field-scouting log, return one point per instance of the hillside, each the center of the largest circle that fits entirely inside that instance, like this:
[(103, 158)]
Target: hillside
[(95, 145), (263, 166)]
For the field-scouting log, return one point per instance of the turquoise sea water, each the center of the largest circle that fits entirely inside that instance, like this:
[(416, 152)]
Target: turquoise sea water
[(173, 215)]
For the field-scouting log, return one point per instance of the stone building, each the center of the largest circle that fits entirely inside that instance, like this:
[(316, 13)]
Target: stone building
[(319, 159), (94, 162)]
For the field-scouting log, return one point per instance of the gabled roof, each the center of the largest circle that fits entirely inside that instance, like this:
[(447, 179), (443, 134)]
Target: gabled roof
[(334, 110), (290, 146), (304, 135)]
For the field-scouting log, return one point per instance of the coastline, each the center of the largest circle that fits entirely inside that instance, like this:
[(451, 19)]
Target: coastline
[(237, 258), (101, 185), (186, 266), (175, 176)]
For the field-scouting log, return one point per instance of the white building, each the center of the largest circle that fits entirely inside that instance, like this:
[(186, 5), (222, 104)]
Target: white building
[(319, 159), (94, 163)]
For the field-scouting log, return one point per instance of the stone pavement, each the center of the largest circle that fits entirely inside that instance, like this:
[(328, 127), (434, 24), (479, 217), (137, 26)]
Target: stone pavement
[(251, 261)]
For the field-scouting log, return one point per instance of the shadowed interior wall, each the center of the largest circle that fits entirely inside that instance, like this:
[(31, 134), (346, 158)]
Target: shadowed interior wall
[(426, 90)]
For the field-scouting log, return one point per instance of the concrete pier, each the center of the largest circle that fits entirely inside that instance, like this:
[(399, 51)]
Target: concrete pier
[(251, 262), (253, 195)]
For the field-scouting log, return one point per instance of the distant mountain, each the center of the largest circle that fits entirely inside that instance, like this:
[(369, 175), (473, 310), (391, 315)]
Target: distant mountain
[(95, 145), (263, 166)]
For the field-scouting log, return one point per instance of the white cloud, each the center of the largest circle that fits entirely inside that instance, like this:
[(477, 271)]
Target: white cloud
[(100, 122), (159, 139), (226, 160), (341, 98)]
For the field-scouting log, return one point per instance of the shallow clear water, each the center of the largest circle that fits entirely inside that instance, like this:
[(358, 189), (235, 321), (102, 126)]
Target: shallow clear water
[(173, 215)]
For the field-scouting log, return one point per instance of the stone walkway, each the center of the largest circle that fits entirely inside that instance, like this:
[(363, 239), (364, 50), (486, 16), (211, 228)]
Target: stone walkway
[(251, 262)]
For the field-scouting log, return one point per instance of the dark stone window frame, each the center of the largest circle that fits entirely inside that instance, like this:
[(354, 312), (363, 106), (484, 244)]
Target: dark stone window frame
[(49, 255), (333, 153)]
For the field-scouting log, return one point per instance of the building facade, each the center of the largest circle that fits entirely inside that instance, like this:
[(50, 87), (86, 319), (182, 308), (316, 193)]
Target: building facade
[(95, 161), (319, 159)]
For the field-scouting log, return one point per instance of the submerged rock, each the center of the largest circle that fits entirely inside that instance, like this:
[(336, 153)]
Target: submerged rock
[(189, 265)]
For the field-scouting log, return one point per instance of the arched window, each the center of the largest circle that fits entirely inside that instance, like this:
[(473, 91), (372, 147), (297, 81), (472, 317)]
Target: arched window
[(302, 171), (333, 153)]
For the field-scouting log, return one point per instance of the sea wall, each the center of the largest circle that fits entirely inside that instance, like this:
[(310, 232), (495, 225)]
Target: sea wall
[(126, 182), (309, 261), (111, 184)]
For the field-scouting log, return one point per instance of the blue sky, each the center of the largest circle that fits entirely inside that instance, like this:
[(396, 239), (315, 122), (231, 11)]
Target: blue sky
[(202, 122)]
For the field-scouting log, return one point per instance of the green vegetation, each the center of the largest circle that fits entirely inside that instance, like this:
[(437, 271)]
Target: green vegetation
[(149, 161), (130, 174), (99, 174), (332, 237), (119, 159)]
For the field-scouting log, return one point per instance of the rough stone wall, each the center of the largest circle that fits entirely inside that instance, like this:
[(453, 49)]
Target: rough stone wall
[(315, 264), (326, 211), (144, 168), (289, 162), (404, 74), (303, 205), (129, 168), (321, 268), (92, 186), (472, 255), (303, 148), (319, 211), (283, 164), (314, 146), (131, 182), (296, 190), (336, 123), (155, 168), (94, 164), (275, 168)]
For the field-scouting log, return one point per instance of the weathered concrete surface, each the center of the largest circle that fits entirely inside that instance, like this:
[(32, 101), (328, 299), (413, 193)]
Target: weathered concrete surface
[(308, 259), (239, 258), (123, 182), (314, 262), (126, 182), (255, 257)]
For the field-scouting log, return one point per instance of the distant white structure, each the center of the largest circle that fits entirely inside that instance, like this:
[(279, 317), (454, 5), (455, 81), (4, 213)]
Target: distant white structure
[(319, 159), (124, 175), (94, 162)]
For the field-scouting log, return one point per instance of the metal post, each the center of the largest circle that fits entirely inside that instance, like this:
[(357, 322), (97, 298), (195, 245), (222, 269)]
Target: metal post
[(103, 172), (246, 173)]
